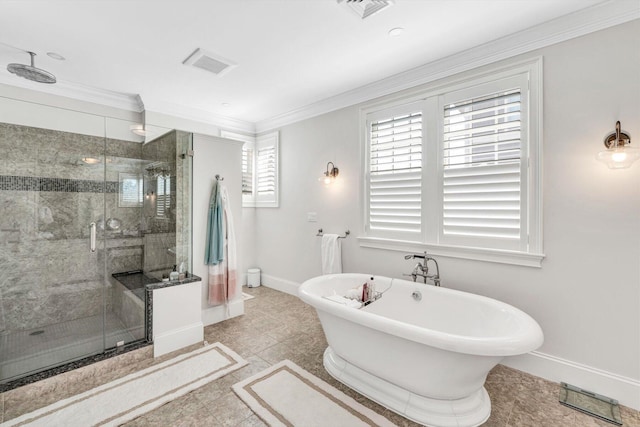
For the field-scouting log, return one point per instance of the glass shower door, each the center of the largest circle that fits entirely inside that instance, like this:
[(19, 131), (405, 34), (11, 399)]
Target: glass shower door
[(52, 290)]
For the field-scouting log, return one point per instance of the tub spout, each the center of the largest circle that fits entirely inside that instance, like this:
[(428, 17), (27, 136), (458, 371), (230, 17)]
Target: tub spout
[(422, 269)]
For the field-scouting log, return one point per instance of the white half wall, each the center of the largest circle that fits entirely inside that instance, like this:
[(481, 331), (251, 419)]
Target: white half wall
[(176, 321), (216, 156), (586, 296)]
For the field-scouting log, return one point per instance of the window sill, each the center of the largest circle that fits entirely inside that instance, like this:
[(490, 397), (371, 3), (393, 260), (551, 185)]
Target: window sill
[(477, 254), (259, 205)]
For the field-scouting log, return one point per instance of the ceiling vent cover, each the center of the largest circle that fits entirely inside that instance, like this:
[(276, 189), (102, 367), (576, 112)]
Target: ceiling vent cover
[(209, 62), (366, 8)]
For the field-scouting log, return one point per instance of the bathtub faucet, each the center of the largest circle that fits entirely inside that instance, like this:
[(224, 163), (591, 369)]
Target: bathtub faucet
[(422, 269)]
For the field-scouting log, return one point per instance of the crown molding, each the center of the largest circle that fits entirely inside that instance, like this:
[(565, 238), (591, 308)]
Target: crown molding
[(201, 116), (126, 102), (77, 92), (594, 18), (589, 20)]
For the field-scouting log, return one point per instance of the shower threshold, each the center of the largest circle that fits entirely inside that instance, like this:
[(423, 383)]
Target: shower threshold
[(27, 358)]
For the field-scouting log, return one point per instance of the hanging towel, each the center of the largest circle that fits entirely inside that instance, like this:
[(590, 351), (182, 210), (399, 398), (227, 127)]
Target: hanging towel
[(213, 251), (331, 254), (223, 275)]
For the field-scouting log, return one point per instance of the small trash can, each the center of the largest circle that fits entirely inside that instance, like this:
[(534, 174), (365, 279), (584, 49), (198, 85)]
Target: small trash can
[(253, 277)]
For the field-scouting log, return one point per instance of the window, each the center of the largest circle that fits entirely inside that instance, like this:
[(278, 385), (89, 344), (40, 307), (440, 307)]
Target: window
[(395, 178), (457, 172), (266, 176), (130, 190), (483, 179), (247, 169), (259, 169), (163, 198)]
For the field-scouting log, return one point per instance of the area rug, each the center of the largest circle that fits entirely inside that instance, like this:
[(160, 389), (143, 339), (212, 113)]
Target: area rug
[(287, 395), (129, 397)]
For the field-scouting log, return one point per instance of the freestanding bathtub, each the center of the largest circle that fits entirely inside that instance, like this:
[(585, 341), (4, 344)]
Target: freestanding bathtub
[(419, 350)]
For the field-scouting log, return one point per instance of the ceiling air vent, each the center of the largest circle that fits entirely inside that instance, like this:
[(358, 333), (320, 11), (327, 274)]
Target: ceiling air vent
[(209, 62), (366, 8)]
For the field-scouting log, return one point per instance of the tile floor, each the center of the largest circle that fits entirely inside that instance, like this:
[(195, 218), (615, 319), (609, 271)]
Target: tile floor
[(278, 326), (21, 352)]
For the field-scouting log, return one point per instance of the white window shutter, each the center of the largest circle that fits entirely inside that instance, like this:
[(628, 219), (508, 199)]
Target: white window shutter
[(482, 172), (266, 170), (395, 174), (163, 196), (247, 169)]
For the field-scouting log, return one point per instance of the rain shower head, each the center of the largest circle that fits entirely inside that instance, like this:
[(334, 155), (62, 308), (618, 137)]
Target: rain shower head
[(30, 72)]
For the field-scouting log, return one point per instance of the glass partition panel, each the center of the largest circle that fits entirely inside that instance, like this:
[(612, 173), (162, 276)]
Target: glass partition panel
[(52, 299)]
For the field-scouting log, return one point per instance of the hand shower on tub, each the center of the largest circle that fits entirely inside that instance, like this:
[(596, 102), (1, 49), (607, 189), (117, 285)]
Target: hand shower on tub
[(422, 269)]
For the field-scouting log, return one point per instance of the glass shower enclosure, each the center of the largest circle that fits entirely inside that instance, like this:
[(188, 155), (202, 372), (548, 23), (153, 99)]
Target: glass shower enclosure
[(89, 214)]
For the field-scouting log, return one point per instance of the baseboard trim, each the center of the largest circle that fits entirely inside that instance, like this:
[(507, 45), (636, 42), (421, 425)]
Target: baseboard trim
[(282, 285), (218, 313), (624, 390), (176, 339)]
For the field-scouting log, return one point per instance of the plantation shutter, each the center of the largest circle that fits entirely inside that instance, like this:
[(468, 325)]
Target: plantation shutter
[(131, 189), (395, 173), (266, 171), (163, 198), (482, 171), (247, 170)]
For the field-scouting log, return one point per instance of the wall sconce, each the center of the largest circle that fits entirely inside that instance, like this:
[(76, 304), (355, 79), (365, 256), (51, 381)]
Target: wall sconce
[(149, 193), (619, 154), (330, 175)]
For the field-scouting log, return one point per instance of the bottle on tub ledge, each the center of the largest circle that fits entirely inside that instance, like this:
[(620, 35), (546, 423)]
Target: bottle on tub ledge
[(365, 293), (369, 291), (182, 271), (174, 274)]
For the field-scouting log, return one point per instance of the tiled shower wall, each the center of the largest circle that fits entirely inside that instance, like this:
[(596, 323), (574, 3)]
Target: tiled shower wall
[(159, 242), (168, 238), (48, 198)]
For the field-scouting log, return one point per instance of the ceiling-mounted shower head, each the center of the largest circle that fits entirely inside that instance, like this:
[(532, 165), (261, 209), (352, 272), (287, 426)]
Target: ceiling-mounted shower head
[(30, 72)]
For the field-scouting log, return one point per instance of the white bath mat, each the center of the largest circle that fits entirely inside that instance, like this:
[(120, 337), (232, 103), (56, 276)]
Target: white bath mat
[(246, 296), (129, 397), (287, 395)]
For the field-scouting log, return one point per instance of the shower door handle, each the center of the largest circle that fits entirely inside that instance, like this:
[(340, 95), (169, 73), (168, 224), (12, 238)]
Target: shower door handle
[(93, 237)]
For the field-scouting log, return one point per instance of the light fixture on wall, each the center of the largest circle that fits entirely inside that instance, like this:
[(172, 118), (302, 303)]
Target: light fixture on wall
[(619, 154), (149, 194), (330, 175)]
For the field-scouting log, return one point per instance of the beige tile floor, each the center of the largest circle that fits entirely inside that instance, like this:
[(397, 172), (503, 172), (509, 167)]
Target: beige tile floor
[(278, 326)]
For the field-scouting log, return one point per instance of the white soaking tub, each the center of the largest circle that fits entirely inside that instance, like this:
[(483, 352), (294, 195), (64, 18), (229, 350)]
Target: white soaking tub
[(419, 350)]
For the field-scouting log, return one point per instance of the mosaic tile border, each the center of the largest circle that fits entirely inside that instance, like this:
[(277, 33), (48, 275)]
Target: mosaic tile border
[(66, 185), (135, 345), (148, 340)]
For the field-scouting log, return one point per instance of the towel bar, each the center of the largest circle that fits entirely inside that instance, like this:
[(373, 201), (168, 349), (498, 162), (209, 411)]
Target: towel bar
[(346, 234)]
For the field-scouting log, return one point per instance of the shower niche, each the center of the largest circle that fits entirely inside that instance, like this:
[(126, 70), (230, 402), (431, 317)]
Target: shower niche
[(90, 213)]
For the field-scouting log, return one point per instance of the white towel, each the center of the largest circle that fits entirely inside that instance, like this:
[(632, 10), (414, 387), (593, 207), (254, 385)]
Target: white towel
[(331, 254)]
